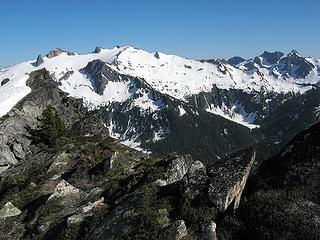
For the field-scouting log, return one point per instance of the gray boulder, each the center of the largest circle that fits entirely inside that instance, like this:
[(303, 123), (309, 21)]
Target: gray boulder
[(176, 170), (9, 210)]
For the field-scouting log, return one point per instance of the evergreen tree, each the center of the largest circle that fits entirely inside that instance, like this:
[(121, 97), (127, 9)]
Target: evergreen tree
[(50, 128)]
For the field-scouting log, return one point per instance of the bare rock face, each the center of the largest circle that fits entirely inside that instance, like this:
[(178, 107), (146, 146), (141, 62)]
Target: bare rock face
[(209, 232), (156, 55), (57, 51), (17, 150), (100, 74), (228, 178), (195, 180), (39, 61), (9, 210), (97, 50), (176, 170)]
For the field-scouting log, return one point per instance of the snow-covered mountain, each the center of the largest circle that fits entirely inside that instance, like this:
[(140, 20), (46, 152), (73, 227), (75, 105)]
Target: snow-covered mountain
[(129, 80), (176, 76)]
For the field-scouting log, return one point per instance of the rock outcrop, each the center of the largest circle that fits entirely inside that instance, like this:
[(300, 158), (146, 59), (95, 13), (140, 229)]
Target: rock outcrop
[(156, 55), (9, 210), (39, 61), (100, 74), (63, 190), (4, 81), (97, 49), (176, 170), (86, 211), (228, 178), (57, 51), (194, 182)]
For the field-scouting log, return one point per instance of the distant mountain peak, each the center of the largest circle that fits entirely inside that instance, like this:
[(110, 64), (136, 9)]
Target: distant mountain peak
[(236, 60), (294, 52), (270, 58), (97, 49)]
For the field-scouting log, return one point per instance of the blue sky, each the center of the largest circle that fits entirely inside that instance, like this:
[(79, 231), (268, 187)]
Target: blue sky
[(195, 29)]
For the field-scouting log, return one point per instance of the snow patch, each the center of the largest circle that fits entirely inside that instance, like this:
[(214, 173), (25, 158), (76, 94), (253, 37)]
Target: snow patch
[(181, 111), (236, 114), (132, 143), (146, 102)]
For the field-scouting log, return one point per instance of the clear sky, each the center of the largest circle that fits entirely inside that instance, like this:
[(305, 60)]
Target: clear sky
[(194, 29)]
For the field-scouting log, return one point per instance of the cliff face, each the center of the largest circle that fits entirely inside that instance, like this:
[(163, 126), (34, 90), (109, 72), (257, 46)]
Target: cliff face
[(228, 179)]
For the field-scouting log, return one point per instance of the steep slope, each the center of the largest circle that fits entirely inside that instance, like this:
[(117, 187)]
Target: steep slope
[(283, 195)]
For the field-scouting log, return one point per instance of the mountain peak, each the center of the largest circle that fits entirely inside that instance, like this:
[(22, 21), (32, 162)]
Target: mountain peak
[(97, 49), (294, 53), (235, 60), (270, 58)]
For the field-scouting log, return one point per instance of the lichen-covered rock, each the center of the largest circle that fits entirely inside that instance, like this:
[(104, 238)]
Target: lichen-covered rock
[(195, 180), (228, 178), (18, 151), (86, 211), (64, 189), (209, 232), (9, 210), (176, 170), (163, 218)]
